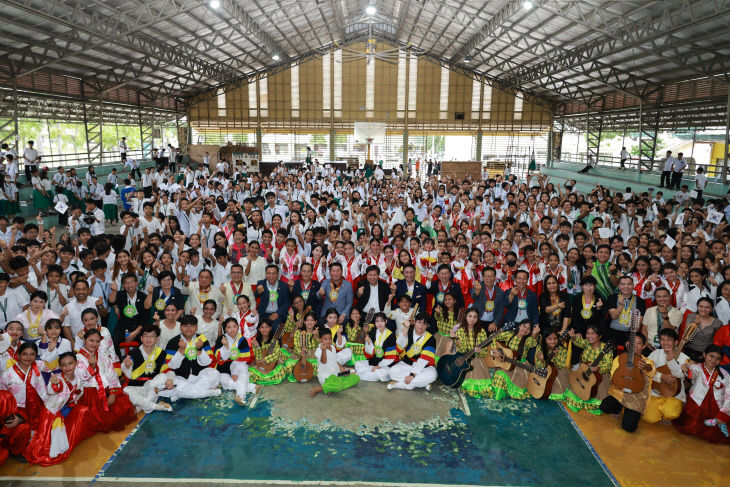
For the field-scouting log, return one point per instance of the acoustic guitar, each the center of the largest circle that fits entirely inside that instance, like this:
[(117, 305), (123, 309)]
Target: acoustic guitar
[(583, 381), (452, 369), (365, 327), (503, 358), (287, 339), (628, 377), (263, 366), (671, 390), (303, 370), (540, 384)]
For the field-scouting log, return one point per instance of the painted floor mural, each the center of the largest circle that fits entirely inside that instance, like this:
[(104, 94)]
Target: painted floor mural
[(364, 434)]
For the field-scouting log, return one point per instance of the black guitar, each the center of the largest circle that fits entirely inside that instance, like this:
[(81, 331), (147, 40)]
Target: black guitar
[(452, 369)]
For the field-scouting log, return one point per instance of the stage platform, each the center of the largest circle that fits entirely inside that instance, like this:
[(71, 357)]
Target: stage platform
[(368, 436)]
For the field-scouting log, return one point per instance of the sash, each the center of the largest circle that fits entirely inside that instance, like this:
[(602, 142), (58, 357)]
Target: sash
[(236, 292), (673, 291), (290, 263), (242, 320), (417, 347), (33, 326), (94, 371), (147, 366), (379, 352)]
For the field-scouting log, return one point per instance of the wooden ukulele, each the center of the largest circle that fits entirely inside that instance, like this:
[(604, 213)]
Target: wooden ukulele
[(365, 327), (583, 381), (540, 381), (452, 369), (627, 377), (287, 339), (303, 369), (671, 390)]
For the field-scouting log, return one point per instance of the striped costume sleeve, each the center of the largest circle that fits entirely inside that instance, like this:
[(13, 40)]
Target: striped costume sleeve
[(244, 352), (429, 351)]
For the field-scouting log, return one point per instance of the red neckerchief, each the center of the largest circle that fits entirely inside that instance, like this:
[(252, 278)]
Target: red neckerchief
[(640, 284), (349, 266), (413, 256), (227, 231), (389, 267), (280, 246), (242, 319), (306, 287), (315, 266), (673, 291), (100, 392), (237, 251), (373, 259), (290, 261), (236, 291), (74, 391)]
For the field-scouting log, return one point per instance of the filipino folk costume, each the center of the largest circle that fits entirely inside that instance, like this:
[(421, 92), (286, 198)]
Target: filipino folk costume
[(588, 356), (512, 383)]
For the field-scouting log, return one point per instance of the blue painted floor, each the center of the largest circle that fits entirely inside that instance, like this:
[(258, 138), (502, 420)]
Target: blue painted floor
[(499, 443)]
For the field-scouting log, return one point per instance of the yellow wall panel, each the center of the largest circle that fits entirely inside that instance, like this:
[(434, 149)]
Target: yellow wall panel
[(429, 90), (353, 84), (310, 89), (460, 92), (386, 89), (280, 94)]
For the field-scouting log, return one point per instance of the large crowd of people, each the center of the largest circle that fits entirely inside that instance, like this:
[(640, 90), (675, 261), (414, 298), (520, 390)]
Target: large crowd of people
[(220, 280)]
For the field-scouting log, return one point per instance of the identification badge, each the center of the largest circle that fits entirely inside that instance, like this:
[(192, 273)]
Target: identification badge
[(305, 295), (522, 304), (160, 304), (489, 306), (439, 297), (624, 318), (129, 311)]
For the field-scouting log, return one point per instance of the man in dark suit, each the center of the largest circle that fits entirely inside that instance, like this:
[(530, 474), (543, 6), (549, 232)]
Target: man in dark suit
[(372, 292), (414, 289), (444, 284), (521, 303), (130, 307), (274, 295), (489, 300), (307, 288)]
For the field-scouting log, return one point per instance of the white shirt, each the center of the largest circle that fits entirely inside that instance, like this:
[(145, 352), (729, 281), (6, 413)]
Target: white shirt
[(374, 301), (625, 154), (679, 165), (700, 182), (11, 302), (122, 146), (73, 319), (325, 370), (30, 155), (668, 163)]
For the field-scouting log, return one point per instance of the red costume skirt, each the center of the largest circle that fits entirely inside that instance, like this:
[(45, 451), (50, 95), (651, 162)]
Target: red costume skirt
[(78, 428), (12, 440), (692, 420), (115, 418)]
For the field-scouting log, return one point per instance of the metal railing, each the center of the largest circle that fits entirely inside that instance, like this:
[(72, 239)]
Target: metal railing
[(81, 158)]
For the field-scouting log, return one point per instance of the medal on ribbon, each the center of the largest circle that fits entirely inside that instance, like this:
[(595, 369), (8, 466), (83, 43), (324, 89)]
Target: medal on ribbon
[(150, 366), (33, 332), (416, 348), (129, 311), (191, 352), (333, 295), (624, 318), (235, 298), (489, 306), (160, 304), (273, 296), (522, 304), (439, 297), (203, 297), (379, 352), (586, 313), (234, 353), (305, 295)]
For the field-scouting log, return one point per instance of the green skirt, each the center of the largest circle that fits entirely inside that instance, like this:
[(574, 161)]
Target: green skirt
[(41, 202), (502, 386), (276, 376), (575, 404), (477, 387), (358, 352), (532, 166), (110, 211), (13, 207), (4, 207)]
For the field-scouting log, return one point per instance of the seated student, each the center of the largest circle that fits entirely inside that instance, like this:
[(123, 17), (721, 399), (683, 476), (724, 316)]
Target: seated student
[(633, 404), (189, 355), (35, 317), (167, 323), (591, 348), (477, 381), (659, 408), (418, 348), (355, 332), (332, 320), (380, 351), (267, 350), (233, 355), (445, 319), (707, 412), (400, 314), (329, 369), (110, 407), (143, 368), (514, 382), (51, 345), (21, 379), (10, 342), (552, 352), (65, 423), (209, 322)]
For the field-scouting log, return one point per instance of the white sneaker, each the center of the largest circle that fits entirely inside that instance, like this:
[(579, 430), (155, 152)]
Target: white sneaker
[(391, 385), (215, 392), (428, 387)]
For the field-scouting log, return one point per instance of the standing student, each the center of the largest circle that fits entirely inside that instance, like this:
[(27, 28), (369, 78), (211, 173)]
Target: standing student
[(332, 376), (700, 182), (666, 179), (680, 163), (625, 156)]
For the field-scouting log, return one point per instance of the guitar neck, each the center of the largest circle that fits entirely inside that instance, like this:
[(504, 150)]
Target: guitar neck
[(600, 357), (517, 363)]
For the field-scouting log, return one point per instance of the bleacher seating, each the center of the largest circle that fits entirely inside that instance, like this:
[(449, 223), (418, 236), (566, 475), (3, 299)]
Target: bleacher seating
[(618, 180)]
